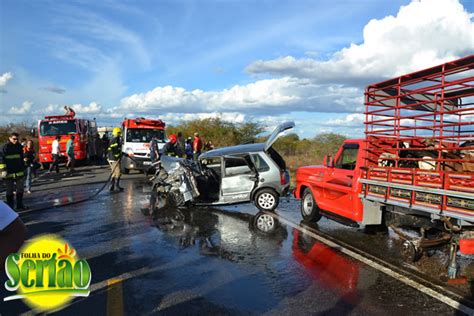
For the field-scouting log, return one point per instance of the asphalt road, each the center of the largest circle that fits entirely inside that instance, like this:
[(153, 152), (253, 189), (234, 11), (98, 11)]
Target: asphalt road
[(214, 260)]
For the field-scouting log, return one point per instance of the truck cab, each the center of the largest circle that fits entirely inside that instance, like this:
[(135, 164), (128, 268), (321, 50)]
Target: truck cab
[(334, 186), (137, 135)]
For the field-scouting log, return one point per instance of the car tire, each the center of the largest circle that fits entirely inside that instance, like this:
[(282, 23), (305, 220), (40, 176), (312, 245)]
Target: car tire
[(309, 209), (266, 200)]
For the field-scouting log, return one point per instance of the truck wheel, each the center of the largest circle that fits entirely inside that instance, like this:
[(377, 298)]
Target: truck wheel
[(309, 208), (45, 165), (266, 200)]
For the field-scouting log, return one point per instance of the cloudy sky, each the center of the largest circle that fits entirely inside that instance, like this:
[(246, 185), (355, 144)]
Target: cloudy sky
[(265, 61)]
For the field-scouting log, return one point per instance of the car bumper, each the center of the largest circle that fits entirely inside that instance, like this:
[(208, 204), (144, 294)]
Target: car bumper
[(136, 163)]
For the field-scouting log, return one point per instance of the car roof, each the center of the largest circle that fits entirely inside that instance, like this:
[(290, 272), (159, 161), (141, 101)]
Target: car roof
[(233, 150)]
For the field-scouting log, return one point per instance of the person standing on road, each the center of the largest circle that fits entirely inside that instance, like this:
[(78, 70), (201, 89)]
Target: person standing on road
[(189, 148), (29, 156), (197, 146), (180, 145), (169, 148), (71, 160), (154, 150), (12, 170), (55, 151), (114, 155)]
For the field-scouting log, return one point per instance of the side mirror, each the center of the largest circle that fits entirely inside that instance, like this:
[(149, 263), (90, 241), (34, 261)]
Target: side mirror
[(33, 132), (328, 162)]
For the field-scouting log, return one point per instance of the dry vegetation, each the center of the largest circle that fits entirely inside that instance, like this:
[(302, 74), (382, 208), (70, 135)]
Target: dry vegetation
[(297, 152)]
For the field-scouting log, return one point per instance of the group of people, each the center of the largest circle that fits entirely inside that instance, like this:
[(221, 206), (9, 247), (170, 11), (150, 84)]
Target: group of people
[(178, 146), (56, 153)]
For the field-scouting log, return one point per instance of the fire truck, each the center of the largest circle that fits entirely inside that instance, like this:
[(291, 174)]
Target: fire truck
[(84, 130), (137, 134), (413, 171)]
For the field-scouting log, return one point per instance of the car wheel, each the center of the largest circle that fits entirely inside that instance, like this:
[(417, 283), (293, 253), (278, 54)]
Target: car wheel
[(264, 223), (266, 200), (309, 208)]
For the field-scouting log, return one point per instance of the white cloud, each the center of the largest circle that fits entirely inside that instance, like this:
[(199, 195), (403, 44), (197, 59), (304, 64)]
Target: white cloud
[(20, 110), (281, 95), (355, 119), (5, 78), (424, 33)]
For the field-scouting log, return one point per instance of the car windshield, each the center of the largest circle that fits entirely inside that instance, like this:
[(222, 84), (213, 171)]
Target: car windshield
[(143, 135), (58, 128)]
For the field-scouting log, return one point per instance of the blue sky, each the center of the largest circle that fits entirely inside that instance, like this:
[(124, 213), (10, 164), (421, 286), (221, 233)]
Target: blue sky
[(266, 61)]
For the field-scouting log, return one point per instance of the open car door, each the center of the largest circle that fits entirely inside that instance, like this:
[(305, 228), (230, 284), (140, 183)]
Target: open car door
[(277, 132), (239, 178)]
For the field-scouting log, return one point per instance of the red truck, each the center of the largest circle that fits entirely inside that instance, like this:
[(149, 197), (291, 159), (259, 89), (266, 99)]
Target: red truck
[(84, 130), (414, 168)]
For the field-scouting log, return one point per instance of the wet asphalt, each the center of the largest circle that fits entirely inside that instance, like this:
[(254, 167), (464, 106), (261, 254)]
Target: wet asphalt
[(215, 261)]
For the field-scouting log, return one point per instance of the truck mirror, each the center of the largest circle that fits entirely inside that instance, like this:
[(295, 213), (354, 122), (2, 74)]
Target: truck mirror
[(327, 161), (33, 132)]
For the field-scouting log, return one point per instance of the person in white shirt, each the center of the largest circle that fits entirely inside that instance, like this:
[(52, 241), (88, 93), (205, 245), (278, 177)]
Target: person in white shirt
[(12, 231), (56, 154)]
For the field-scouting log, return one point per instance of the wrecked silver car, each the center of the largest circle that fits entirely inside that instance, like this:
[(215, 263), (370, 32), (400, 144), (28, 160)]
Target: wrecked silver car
[(228, 175)]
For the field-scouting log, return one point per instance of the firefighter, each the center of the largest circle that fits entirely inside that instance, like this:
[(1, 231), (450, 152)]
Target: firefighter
[(114, 154), (12, 170), (170, 148)]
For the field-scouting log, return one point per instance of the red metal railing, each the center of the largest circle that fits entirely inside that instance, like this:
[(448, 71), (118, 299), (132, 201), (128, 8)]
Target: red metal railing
[(423, 120)]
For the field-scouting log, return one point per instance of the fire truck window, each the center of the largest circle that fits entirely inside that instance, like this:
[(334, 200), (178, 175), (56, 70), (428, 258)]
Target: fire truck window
[(58, 128), (143, 135), (348, 158)]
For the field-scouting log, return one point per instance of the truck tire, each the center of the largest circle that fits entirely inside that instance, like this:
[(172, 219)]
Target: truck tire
[(45, 165), (309, 209), (266, 200)]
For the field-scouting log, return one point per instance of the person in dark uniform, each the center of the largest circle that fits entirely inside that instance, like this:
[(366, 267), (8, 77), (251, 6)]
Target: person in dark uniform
[(114, 153), (12, 171), (170, 148)]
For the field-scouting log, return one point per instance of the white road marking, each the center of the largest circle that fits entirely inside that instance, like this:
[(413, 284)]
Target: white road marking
[(418, 286)]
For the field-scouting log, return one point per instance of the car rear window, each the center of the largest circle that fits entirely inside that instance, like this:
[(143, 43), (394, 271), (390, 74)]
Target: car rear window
[(277, 158), (260, 163)]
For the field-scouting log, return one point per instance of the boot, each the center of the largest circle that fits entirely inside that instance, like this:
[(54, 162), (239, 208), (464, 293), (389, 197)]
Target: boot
[(11, 201), (19, 202), (112, 185), (117, 184)]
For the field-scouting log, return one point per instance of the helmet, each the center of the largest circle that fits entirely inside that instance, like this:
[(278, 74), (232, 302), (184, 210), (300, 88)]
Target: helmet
[(117, 131), (173, 139)]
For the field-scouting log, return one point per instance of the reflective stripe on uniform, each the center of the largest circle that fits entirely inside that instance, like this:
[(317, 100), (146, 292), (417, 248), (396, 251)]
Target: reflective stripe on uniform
[(3, 166), (15, 175), (16, 156)]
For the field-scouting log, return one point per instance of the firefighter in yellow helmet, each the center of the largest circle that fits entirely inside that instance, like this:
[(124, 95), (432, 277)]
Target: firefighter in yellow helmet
[(114, 153)]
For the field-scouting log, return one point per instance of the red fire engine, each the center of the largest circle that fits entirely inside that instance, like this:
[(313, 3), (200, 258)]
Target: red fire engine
[(84, 130)]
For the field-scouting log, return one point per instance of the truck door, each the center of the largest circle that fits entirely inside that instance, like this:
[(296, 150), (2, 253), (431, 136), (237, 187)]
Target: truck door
[(238, 179), (338, 193)]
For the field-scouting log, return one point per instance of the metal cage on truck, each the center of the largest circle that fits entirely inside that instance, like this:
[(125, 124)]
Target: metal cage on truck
[(419, 149)]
